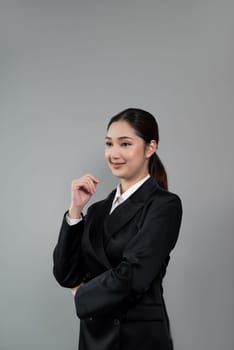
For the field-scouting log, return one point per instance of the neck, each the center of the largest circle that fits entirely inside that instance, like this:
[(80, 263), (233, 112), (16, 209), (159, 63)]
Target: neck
[(126, 184)]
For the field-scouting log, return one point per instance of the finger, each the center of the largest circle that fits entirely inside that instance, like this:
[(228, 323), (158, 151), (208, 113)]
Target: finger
[(89, 177), (94, 179), (89, 185), (90, 181), (87, 182), (84, 184)]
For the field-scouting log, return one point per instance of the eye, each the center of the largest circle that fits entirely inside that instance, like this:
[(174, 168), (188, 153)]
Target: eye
[(108, 144), (125, 144)]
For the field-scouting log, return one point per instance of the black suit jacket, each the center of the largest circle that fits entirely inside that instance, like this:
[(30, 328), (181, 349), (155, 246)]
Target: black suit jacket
[(122, 258)]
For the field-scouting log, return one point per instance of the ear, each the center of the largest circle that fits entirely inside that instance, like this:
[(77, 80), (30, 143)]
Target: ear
[(151, 148)]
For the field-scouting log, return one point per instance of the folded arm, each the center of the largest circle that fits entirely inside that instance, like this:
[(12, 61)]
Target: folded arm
[(142, 261)]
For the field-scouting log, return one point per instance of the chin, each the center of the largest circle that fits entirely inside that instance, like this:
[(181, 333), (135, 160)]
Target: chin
[(117, 173)]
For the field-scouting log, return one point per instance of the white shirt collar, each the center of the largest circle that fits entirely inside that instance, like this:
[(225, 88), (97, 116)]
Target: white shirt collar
[(120, 198)]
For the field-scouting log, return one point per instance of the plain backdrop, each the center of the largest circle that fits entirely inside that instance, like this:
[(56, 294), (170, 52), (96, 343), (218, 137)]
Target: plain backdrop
[(66, 67)]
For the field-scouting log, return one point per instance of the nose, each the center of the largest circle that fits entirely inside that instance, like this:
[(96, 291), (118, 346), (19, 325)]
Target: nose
[(114, 153)]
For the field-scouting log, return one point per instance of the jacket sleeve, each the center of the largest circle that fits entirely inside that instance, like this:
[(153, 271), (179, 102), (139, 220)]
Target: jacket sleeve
[(67, 267), (142, 261)]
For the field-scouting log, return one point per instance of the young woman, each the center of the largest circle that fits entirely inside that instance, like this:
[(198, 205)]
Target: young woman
[(115, 257)]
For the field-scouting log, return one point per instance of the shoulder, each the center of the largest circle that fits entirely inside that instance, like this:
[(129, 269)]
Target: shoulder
[(168, 196), (165, 200), (161, 195)]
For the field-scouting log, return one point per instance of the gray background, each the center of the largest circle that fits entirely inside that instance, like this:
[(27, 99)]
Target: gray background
[(65, 68)]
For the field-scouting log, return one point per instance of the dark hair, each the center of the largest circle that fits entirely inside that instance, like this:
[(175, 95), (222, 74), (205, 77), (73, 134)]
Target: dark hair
[(146, 127)]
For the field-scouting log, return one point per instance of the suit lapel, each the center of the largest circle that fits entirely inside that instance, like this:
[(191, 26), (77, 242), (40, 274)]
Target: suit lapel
[(127, 210), (104, 224)]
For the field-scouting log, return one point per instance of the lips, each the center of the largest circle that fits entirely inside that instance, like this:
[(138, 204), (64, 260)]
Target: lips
[(117, 165)]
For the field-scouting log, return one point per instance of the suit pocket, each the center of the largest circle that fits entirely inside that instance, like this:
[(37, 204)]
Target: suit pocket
[(144, 312)]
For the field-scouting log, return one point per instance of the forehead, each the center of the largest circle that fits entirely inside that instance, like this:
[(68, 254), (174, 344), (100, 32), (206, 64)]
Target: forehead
[(120, 128)]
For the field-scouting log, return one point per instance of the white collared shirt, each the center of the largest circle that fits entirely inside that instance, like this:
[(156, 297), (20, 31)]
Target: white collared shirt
[(118, 199)]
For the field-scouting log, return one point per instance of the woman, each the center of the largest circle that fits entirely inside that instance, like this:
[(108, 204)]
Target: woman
[(115, 257)]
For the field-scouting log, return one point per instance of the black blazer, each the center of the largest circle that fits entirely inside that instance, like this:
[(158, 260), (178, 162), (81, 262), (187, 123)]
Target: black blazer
[(122, 258)]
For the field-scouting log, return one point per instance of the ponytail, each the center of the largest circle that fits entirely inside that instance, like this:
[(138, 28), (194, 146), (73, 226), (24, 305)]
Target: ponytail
[(157, 171)]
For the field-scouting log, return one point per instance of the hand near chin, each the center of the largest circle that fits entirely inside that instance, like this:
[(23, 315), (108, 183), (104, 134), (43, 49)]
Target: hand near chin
[(82, 190)]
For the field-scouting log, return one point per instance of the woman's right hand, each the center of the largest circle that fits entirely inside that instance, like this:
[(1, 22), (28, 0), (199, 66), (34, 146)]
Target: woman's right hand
[(81, 191)]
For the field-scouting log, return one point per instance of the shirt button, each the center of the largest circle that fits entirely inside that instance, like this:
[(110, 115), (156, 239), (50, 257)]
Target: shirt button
[(116, 322)]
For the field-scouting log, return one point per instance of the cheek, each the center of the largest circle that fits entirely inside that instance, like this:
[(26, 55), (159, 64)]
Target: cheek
[(137, 155), (106, 154)]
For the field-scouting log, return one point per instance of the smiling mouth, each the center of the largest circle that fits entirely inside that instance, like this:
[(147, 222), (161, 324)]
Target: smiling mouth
[(117, 165)]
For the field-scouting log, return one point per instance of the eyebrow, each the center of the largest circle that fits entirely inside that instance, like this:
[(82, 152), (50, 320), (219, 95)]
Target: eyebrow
[(120, 138)]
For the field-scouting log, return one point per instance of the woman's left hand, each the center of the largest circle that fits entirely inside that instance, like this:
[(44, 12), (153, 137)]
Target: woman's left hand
[(74, 290)]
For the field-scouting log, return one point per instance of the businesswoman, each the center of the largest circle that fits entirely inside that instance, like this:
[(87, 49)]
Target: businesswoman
[(114, 258)]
